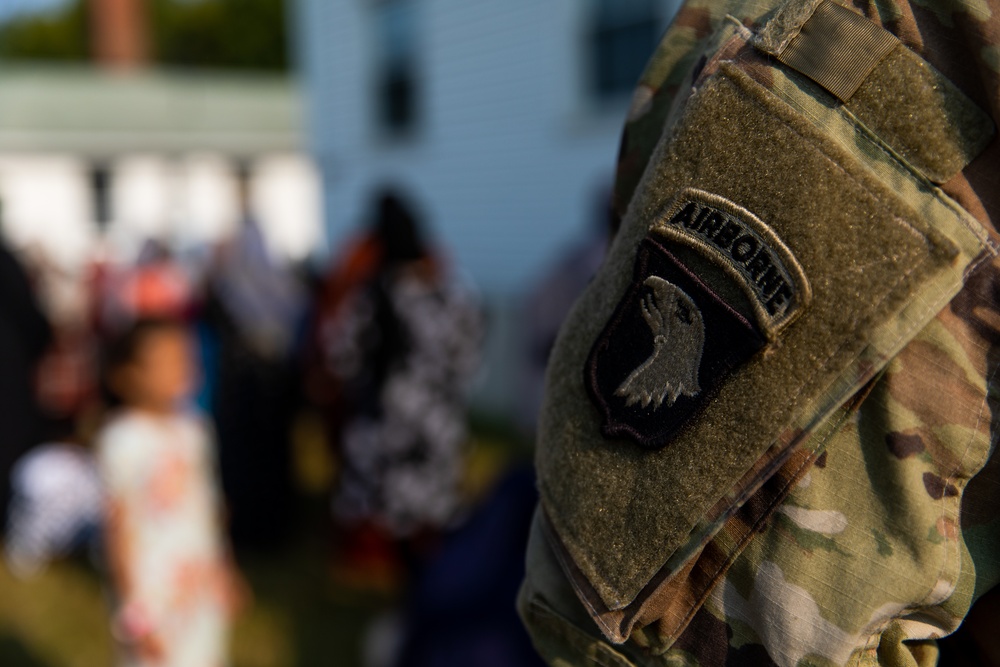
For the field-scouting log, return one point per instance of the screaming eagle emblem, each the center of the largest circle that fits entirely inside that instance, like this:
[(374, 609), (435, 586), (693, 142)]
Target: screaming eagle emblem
[(712, 285), (678, 338), (669, 343)]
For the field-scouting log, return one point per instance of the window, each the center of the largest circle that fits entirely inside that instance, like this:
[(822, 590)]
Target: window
[(396, 94), (623, 36), (100, 192)]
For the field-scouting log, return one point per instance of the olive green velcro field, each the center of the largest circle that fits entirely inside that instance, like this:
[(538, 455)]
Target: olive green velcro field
[(894, 92), (922, 115), (878, 272)]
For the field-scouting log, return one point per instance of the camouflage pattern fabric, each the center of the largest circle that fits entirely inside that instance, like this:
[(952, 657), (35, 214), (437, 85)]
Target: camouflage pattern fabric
[(875, 534)]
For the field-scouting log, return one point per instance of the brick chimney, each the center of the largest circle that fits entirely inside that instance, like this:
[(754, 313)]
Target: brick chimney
[(119, 37)]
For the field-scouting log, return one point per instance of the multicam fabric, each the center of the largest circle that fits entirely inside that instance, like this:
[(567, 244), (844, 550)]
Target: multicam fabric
[(876, 532)]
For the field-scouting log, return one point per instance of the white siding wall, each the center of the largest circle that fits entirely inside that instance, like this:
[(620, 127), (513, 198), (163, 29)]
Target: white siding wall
[(509, 154)]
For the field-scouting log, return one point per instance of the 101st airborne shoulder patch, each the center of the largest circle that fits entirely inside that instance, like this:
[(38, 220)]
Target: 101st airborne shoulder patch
[(680, 329)]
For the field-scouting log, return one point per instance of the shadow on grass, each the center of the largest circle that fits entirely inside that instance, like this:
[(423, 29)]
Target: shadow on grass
[(302, 619), (14, 654)]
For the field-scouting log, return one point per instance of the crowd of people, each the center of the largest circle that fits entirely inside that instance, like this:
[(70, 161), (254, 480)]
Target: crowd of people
[(148, 410)]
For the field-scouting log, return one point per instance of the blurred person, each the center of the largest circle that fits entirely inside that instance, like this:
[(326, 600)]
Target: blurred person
[(461, 609), (68, 373), (25, 335), (57, 502), (349, 272), (68, 378), (156, 285), (56, 498), (403, 347), (176, 587), (253, 315)]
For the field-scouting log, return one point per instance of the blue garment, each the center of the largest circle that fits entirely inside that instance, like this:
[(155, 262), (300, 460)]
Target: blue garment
[(461, 611)]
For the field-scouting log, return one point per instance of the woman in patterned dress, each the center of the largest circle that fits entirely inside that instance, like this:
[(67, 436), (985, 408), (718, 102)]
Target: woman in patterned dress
[(402, 345)]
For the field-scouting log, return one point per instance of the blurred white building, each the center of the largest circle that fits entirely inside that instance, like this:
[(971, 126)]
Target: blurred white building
[(147, 153), (501, 118)]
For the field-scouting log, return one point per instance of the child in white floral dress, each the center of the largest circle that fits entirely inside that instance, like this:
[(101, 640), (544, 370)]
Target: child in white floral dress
[(174, 582)]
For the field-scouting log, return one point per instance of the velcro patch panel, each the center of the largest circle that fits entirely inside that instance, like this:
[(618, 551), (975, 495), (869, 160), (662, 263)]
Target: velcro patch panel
[(681, 340), (896, 94)]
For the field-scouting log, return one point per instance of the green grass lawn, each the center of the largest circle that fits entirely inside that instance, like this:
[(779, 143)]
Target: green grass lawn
[(58, 618), (299, 617)]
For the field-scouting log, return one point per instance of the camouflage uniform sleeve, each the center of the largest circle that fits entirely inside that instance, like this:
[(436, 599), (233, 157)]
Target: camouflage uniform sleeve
[(870, 526)]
